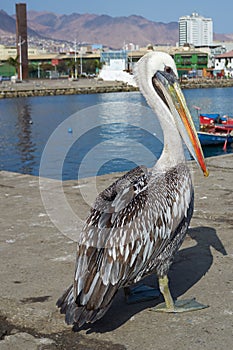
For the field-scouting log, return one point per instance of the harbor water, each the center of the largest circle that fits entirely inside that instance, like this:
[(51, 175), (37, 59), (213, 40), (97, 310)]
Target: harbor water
[(77, 136)]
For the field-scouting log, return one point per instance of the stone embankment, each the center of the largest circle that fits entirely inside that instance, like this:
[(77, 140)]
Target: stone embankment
[(206, 83), (61, 87), (89, 86)]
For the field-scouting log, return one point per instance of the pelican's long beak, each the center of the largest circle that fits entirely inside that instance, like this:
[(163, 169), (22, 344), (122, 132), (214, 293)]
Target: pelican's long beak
[(167, 85)]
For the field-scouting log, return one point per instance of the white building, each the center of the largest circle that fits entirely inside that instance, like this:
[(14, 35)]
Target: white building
[(11, 51), (225, 62), (195, 30)]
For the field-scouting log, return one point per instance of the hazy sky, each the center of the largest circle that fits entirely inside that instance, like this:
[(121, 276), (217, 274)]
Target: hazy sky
[(156, 10)]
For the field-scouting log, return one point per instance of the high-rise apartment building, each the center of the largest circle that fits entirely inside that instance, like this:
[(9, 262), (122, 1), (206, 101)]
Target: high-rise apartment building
[(195, 30)]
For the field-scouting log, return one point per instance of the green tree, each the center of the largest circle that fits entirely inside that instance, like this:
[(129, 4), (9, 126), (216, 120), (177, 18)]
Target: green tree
[(71, 67), (14, 62), (98, 65), (32, 71), (62, 67)]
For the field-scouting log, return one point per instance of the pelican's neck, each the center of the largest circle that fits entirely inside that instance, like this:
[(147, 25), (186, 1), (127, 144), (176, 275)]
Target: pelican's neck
[(173, 152)]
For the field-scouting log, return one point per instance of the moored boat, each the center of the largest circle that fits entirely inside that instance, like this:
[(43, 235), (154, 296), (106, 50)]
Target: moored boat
[(209, 120), (215, 129), (215, 138)]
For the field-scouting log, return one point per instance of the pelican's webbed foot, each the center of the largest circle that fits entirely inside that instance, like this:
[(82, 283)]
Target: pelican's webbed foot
[(178, 305), (140, 293)]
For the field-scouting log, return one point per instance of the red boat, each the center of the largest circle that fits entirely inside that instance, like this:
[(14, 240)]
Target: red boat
[(222, 123), (215, 130), (223, 127)]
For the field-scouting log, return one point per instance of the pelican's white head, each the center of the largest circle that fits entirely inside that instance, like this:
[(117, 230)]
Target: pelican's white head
[(157, 79), (149, 64)]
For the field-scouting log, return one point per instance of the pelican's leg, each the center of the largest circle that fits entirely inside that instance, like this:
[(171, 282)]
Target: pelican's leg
[(175, 306), (140, 293)]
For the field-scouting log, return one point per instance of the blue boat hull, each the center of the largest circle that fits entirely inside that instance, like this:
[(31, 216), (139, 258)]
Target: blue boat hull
[(208, 139)]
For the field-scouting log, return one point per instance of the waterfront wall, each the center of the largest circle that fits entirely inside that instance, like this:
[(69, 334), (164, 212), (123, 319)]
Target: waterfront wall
[(206, 83), (66, 90), (48, 88)]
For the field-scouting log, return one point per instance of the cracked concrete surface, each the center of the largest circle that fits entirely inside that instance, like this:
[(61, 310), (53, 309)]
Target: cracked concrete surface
[(37, 264)]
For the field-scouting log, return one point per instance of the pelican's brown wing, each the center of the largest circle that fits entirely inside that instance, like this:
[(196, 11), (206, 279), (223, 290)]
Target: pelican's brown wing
[(126, 230)]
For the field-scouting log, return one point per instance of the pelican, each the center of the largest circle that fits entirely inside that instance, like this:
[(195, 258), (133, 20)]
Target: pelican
[(138, 223)]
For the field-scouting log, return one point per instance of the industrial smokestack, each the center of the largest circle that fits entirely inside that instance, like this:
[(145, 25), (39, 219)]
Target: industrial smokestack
[(21, 40)]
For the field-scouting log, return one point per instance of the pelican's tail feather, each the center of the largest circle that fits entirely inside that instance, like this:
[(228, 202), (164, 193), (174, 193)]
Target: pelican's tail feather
[(78, 314)]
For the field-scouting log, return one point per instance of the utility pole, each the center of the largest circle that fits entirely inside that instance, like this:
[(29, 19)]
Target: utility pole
[(20, 43), (81, 62), (75, 60), (38, 70)]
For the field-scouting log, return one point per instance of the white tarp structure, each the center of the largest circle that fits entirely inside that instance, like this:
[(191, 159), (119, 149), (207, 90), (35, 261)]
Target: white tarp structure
[(116, 71)]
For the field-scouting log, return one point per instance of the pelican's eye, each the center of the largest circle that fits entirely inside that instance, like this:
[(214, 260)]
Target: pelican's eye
[(167, 69), (169, 74)]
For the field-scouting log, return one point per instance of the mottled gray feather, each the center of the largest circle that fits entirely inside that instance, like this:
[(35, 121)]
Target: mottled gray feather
[(135, 227)]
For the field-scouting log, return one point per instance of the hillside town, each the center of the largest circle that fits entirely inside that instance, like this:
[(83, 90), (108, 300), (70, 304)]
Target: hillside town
[(196, 55)]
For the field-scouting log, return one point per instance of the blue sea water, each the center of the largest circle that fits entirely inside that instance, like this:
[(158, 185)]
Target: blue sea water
[(76, 136)]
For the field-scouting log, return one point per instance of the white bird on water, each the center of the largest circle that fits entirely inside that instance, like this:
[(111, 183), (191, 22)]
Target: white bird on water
[(137, 224)]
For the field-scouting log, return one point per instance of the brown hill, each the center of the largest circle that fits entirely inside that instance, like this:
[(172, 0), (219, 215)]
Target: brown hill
[(90, 28), (107, 30), (223, 37), (8, 25)]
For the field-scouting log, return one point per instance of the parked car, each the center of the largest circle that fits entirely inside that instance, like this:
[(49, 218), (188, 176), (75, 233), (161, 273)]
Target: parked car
[(6, 78)]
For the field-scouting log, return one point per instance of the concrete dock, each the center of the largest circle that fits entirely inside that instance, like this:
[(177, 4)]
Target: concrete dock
[(54, 87), (37, 264)]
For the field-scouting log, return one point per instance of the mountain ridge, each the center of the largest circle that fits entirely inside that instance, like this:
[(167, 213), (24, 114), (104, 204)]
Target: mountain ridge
[(103, 29)]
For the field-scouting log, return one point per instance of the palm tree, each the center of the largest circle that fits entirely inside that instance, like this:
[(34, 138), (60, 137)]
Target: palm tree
[(71, 67), (14, 62)]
